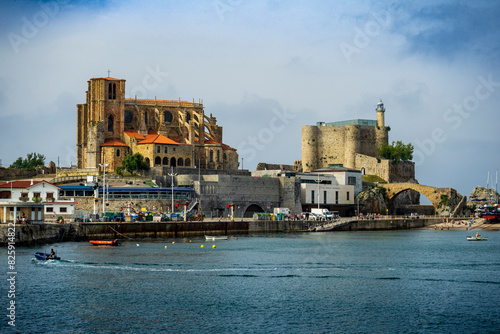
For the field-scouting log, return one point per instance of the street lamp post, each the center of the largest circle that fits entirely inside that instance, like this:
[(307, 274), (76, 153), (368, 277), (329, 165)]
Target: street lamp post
[(318, 190), (172, 175), (104, 165)]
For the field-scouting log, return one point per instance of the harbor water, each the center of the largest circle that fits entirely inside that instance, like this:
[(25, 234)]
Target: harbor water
[(412, 281)]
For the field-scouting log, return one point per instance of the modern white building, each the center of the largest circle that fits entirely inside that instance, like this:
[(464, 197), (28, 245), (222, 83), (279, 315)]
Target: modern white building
[(30, 202)]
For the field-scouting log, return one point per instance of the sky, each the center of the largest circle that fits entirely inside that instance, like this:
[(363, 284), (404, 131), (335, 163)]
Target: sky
[(264, 69)]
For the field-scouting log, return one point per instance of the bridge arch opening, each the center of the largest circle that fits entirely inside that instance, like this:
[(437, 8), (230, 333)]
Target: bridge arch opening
[(410, 201), (253, 208)]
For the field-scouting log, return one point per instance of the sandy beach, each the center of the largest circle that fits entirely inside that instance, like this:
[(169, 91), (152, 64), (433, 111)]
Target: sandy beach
[(463, 224)]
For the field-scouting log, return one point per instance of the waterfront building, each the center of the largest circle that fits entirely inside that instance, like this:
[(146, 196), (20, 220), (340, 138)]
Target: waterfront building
[(32, 201)]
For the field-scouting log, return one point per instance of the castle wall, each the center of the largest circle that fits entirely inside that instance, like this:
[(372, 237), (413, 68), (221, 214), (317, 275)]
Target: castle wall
[(373, 166)]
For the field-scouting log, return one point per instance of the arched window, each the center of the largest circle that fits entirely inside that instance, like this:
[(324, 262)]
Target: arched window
[(363, 171), (173, 162), (128, 117), (165, 161), (188, 116), (180, 162), (110, 91), (146, 117), (187, 162), (110, 123), (118, 152), (211, 156), (224, 156), (218, 155), (114, 91), (167, 117), (148, 162), (157, 161)]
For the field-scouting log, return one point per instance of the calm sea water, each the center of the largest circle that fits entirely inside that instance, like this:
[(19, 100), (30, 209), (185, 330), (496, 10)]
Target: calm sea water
[(418, 281)]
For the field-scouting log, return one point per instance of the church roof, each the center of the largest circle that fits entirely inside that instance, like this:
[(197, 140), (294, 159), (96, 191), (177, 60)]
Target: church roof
[(150, 138), (107, 78), (173, 103), (113, 142), (224, 146)]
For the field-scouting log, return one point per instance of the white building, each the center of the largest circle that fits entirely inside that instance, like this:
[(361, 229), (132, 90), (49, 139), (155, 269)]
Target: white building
[(30, 201)]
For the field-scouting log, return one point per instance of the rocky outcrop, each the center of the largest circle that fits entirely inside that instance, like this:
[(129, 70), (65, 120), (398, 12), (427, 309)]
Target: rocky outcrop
[(480, 195), (372, 201)]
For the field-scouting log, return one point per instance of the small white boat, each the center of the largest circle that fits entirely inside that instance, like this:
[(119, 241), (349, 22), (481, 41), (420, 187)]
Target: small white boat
[(478, 238), (216, 237)]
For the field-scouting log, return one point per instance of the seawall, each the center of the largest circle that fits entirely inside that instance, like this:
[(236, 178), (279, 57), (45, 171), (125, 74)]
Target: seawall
[(48, 233)]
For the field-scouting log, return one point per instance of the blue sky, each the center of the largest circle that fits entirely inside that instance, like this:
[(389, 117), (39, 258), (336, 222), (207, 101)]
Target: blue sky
[(264, 69)]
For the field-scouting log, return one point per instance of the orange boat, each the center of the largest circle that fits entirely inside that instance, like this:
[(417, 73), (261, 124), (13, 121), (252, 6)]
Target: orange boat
[(105, 242)]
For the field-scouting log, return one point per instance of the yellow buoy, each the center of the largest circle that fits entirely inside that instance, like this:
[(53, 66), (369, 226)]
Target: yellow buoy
[(173, 242), (202, 246), (213, 246), (165, 247)]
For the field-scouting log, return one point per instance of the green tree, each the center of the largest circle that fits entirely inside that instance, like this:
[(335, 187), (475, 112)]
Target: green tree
[(32, 161), (397, 151), (134, 162)]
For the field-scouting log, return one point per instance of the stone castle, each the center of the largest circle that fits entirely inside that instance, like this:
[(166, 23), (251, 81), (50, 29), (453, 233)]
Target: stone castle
[(168, 133), (352, 144)]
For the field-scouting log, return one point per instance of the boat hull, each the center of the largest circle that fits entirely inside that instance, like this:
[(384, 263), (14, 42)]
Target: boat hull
[(216, 237), (105, 242), (477, 238), (45, 256)]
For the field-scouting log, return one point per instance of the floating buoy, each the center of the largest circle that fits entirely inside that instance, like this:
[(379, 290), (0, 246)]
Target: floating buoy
[(235, 238), (173, 242), (165, 247), (213, 246), (189, 240), (202, 246), (137, 245)]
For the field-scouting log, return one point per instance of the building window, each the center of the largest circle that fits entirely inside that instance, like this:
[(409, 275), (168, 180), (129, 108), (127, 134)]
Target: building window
[(63, 210), (36, 195), (165, 161), (49, 209), (110, 123), (167, 117), (173, 162), (129, 117), (166, 150), (158, 148), (324, 197), (187, 162), (110, 91), (224, 156), (146, 117), (114, 91), (180, 162), (336, 197), (347, 195), (351, 180), (118, 153), (211, 156), (157, 161), (218, 156), (312, 196)]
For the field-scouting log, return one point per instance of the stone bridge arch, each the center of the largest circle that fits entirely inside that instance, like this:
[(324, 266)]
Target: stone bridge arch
[(446, 201)]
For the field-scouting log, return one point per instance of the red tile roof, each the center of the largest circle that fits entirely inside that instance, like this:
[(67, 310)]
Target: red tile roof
[(22, 184), (224, 146), (172, 103), (107, 78), (114, 142), (150, 138)]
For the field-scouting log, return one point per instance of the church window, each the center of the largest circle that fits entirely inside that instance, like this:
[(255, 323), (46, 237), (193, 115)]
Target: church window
[(110, 91), (173, 162), (180, 162), (110, 123), (187, 162), (157, 161), (114, 91), (118, 153), (188, 116), (167, 117), (146, 117), (218, 156), (165, 161), (148, 162), (129, 117), (211, 156), (224, 156)]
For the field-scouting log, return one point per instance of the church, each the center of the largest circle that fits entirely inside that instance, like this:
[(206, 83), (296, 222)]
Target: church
[(168, 133)]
